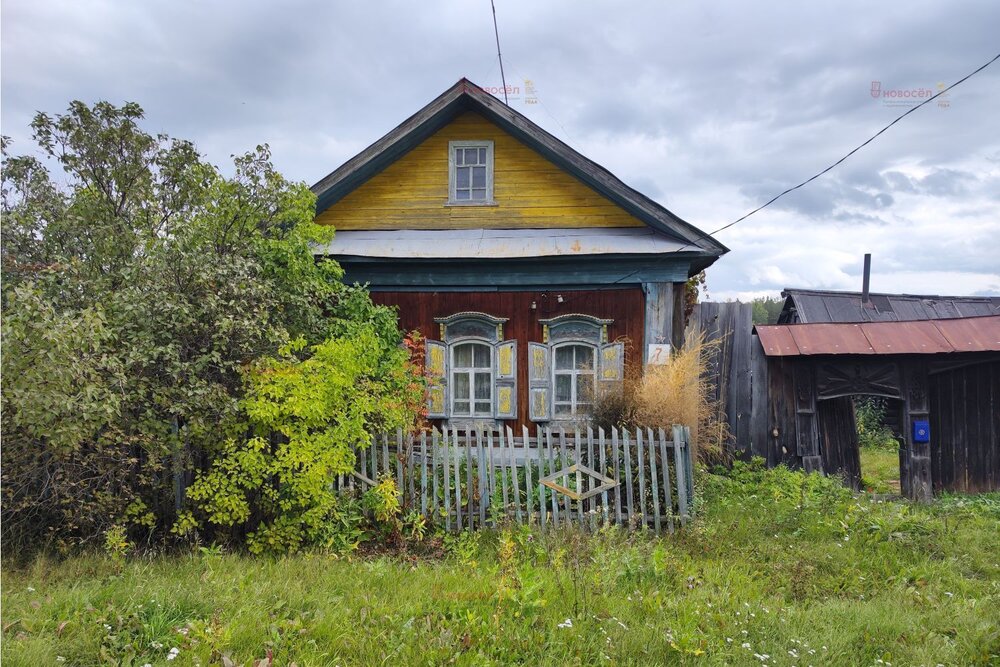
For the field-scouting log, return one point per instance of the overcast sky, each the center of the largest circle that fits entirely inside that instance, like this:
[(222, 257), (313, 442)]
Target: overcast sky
[(709, 108)]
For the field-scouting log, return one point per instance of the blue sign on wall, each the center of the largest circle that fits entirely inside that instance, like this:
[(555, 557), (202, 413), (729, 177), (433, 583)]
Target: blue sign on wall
[(921, 430)]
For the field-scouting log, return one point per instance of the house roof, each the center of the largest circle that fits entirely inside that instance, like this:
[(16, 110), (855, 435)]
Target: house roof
[(967, 334), (486, 244), (814, 306), (467, 96)]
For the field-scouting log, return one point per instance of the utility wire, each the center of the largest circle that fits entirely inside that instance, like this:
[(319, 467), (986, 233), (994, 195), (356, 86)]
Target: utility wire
[(496, 32), (867, 141)]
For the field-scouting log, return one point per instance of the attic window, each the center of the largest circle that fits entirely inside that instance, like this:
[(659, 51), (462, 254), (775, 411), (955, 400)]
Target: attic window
[(470, 173)]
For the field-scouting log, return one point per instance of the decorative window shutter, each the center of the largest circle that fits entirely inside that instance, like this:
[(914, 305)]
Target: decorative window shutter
[(611, 368), (506, 380), (436, 365), (539, 382)]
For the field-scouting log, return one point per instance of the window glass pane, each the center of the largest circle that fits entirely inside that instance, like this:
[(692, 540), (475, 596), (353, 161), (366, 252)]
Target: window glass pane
[(462, 177), (463, 355), (479, 195), (461, 385), (483, 388), (564, 387), (484, 409), (584, 357), (461, 194), (471, 156), (563, 409), (482, 156), (482, 356), (479, 177), (459, 153), (564, 357), (461, 408)]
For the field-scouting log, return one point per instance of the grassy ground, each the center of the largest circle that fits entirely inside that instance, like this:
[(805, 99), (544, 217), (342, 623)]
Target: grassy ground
[(780, 569), (880, 470)]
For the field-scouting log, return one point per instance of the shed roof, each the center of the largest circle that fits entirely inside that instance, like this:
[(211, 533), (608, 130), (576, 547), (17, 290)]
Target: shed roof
[(813, 306), (967, 334)]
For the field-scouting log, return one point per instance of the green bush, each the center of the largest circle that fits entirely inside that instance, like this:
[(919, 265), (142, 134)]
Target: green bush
[(141, 302), (870, 414)]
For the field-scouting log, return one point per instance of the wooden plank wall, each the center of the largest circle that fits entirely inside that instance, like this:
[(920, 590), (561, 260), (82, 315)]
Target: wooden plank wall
[(965, 428), (626, 306), (730, 324), (529, 190), (838, 434)]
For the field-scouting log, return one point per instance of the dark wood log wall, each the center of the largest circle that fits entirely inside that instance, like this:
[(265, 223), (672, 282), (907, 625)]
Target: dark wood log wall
[(626, 306), (965, 428)]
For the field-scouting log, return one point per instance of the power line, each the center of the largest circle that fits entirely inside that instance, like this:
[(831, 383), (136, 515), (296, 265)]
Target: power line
[(859, 147), (496, 32)]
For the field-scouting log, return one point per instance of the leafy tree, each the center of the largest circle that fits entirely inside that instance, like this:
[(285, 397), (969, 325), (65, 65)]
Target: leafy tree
[(138, 288), (766, 309)]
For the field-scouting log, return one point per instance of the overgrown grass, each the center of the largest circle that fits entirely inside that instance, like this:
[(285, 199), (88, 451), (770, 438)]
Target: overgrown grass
[(880, 470), (780, 569)]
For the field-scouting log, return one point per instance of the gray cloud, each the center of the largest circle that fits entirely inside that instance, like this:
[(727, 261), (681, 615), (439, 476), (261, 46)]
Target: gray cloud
[(709, 108)]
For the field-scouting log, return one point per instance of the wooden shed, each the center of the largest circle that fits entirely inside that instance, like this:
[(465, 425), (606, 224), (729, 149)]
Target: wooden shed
[(534, 273), (943, 373)]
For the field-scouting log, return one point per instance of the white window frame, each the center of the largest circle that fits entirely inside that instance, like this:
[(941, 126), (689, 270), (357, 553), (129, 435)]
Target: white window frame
[(452, 177), (471, 372), (575, 375)]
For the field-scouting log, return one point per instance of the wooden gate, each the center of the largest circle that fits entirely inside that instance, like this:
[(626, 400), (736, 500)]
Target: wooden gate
[(466, 479)]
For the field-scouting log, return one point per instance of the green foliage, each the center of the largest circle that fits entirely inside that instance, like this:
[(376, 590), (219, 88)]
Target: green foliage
[(136, 292), (869, 414), (766, 309), (315, 411), (116, 544), (383, 500)]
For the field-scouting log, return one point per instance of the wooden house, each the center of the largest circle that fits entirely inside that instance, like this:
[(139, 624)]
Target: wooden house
[(535, 275)]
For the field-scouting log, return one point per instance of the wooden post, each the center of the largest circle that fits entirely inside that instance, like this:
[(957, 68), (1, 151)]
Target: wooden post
[(807, 433), (659, 322), (915, 462)]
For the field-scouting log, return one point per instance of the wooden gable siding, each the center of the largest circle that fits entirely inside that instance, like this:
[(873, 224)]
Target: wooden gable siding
[(626, 307), (529, 191)]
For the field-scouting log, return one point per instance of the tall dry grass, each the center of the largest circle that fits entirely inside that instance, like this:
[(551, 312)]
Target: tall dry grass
[(678, 392)]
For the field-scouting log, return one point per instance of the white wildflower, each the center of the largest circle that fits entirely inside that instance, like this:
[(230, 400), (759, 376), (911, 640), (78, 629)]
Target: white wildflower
[(793, 653), (32, 590), (745, 645), (173, 653), (568, 623), (949, 594), (60, 658)]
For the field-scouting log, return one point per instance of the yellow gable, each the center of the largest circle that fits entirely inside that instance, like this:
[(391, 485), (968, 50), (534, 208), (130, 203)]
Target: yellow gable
[(528, 191)]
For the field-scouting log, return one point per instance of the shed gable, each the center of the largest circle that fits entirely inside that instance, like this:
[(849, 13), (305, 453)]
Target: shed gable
[(530, 192)]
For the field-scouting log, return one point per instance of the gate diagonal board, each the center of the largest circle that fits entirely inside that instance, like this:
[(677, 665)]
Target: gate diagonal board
[(606, 483)]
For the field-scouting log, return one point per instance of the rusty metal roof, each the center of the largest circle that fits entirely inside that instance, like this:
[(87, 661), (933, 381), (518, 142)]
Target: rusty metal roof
[(967, 334)]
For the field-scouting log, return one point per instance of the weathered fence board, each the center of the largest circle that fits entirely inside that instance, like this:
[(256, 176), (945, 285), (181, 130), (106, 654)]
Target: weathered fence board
[(621, 477)]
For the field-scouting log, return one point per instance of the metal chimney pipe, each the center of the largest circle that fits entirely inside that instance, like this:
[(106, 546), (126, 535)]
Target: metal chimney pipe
[(865, 297)]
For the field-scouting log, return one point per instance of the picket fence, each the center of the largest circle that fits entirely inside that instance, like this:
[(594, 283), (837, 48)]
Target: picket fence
[(466, 479)]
